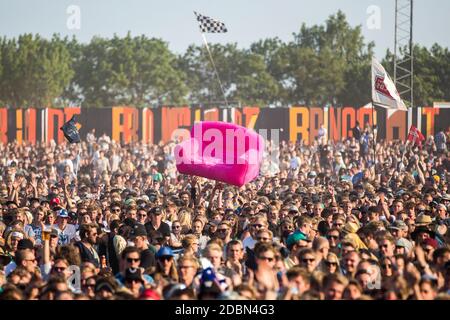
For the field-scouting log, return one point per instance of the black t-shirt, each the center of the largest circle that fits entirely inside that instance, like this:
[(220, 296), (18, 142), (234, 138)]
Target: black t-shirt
[(164, 228), (356, 133), (147, 259), (87, 255)]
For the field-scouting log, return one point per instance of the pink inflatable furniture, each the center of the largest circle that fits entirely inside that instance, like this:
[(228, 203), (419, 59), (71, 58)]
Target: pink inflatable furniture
[(221, 151)]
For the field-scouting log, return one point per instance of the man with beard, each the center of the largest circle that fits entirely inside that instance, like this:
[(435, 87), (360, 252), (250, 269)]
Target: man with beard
[(88, 235)]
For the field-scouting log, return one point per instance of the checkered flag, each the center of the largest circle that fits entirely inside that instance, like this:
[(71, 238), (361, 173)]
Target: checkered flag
[(210, 25)]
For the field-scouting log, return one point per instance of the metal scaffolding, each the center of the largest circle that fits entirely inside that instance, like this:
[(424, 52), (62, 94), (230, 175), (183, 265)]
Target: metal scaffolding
[(403, 53)]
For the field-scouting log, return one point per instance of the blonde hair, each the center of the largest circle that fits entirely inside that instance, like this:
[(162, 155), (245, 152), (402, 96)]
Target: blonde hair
[(212, 247), (188, 240), (265, 230), (188, 257), (113, 217), (185, 219), (260, 217)]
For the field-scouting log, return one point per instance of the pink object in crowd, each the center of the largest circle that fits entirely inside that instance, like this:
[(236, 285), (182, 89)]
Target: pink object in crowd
[(221, 151)]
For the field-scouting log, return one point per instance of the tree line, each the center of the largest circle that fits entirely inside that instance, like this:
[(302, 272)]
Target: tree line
[(321, 65)]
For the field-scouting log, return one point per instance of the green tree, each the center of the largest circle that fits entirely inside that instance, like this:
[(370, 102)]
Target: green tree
[(200, 76), (36, 71), (254, 84), (136, 71), (431, 73), (275, 56), (328, 64)]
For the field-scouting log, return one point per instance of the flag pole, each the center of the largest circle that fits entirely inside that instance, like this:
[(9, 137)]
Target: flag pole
[(215, 69), (374, 140)]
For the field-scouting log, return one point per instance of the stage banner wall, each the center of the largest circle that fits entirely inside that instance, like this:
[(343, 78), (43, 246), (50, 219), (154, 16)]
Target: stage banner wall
[(129, 124)]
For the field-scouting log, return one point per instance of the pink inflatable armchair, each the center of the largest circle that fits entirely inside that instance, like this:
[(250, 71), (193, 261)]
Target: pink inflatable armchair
[(221, 151)]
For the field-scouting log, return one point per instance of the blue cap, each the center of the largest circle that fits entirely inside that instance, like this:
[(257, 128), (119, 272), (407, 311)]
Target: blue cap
[(63, 213), (164, 251), (208, 277), (296, 237)]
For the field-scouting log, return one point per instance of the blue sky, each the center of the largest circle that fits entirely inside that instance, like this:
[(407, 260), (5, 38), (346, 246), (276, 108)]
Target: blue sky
[(247, 20)]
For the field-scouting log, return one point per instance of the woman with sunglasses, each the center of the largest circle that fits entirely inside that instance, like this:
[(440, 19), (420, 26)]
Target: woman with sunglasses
[(165, 265), (332, 264), (176, 236), (387, 268), (88, 286)]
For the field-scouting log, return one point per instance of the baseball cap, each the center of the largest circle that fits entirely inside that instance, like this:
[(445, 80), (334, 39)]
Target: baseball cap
[(138, 230), (312, 174), (54, 233), (296, 237), (55, 201), (402, 242), (164, 252), (17, 234), (156, 210), (63, 213)]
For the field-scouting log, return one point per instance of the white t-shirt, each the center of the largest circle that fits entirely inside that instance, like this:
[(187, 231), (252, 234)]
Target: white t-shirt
[(66, 235), (115, 162), (33, 232), (249, 242)]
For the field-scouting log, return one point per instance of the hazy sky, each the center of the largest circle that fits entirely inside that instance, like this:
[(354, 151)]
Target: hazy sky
[(246, 20)]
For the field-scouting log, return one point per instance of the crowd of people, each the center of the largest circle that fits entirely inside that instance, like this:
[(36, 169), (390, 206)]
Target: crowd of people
[(329, 220)]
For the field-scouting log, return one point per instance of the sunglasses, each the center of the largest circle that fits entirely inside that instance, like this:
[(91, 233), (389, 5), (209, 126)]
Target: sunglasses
[(333, 237), (222, 230), (165, 258), (308, 260), (131, 260), (185, 267), (329, 264), (133, 281), (59, 269), (31, 260), (257, 225), (386, 266), (268, 259), (142, 215)]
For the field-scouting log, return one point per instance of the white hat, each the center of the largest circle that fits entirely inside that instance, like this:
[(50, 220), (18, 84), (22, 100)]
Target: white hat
[(17, 235)]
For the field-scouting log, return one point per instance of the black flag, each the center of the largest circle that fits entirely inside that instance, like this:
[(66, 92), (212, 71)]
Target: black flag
[(70, 131), (210, 25)]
